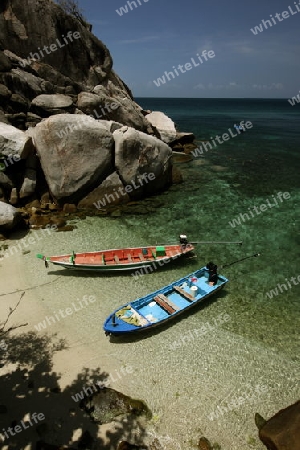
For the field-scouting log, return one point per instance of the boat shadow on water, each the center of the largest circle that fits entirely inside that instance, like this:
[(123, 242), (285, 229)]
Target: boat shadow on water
[(152, 331)]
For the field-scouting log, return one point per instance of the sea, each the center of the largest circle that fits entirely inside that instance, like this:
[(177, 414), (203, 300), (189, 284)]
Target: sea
[(247, 189)]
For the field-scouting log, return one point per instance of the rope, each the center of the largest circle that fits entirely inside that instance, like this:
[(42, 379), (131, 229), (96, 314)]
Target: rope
[(30, 288)]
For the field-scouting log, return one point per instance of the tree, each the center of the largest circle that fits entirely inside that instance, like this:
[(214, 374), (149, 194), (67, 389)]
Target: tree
[(71, 7)]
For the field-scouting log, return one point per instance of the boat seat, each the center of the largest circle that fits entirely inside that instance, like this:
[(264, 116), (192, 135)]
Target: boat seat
[(117, 259), (164, 305), (169, 302), (184, 293), (129, 257), (141, 257)]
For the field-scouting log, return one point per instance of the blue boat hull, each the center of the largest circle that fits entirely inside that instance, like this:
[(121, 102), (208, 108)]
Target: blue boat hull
[(163, 305)]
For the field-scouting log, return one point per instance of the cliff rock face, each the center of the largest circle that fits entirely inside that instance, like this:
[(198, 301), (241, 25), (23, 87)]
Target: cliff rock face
[(54, 75)]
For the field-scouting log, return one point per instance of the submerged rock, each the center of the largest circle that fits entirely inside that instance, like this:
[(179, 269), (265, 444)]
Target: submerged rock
[(204, 444), (108, 404)]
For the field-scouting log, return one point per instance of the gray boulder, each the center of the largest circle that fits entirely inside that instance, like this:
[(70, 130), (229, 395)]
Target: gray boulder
[(142, 161), (9, 216), (14, 142), (76, 154), (164, 125), (110, 192), (47, 104)]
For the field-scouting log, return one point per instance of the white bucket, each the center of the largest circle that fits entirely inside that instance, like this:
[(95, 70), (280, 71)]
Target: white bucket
[(194, 291)]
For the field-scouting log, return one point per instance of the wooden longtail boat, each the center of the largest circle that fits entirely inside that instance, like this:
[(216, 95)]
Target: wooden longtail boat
[(163, 305), (120, 259)]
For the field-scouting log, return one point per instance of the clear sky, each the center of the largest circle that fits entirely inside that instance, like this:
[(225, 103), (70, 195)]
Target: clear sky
[(159, 35)]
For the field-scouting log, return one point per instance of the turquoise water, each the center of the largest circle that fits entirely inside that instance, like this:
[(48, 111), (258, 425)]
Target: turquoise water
[(259, 344)]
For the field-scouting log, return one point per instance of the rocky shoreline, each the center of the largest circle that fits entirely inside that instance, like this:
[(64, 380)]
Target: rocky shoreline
[(70, 130)]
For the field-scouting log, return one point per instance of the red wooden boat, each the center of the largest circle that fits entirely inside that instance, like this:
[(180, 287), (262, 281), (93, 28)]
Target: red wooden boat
[(122, 259)]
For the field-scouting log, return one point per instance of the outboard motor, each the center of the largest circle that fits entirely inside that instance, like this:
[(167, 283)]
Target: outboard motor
[(183, 240)]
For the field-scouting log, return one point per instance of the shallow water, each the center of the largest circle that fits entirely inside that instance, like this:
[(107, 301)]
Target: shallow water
[(249, 363)]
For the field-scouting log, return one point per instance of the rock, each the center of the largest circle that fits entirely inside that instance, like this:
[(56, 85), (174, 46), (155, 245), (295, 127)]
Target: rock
[(5, 64), (69, 208), (128, 114), (164, 125), (110, 192), (46, 105), (9, 216), (75, 154), (282, 431), (13, 200), (259, 421), (91, 103), (18, 103), (204, 444), (5, 182), (29, 183), (5, 93), (177, 177), (183, 138), (111, 125), (142, 161), (107, 404), (82, 58), (14, 142)]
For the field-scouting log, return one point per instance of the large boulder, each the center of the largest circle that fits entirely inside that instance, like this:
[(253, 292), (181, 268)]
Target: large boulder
[(110, 192), (142, 161), (14, 142), (76, 154), (282, 431), (9, 216), (164, 125)]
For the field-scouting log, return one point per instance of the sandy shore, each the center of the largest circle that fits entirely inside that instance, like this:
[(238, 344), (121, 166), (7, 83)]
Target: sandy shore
[(50, 371)]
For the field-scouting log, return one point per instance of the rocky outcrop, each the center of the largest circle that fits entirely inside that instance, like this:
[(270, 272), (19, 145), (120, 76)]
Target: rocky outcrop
[(75, 154), (9, 216), (54, 75), (164, 125), (142, 161), (282, 431)]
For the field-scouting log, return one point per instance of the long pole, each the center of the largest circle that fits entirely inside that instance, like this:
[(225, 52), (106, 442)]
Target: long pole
[(239, 260), (216, 242)]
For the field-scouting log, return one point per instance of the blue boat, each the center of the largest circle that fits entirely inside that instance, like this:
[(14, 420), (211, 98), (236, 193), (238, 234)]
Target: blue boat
[(163, 305)]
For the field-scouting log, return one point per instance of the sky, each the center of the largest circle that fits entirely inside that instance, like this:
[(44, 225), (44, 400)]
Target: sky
[(160, 36)]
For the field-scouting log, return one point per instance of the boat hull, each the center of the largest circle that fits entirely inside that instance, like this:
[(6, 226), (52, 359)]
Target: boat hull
[(119, 260), (163, 305)]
